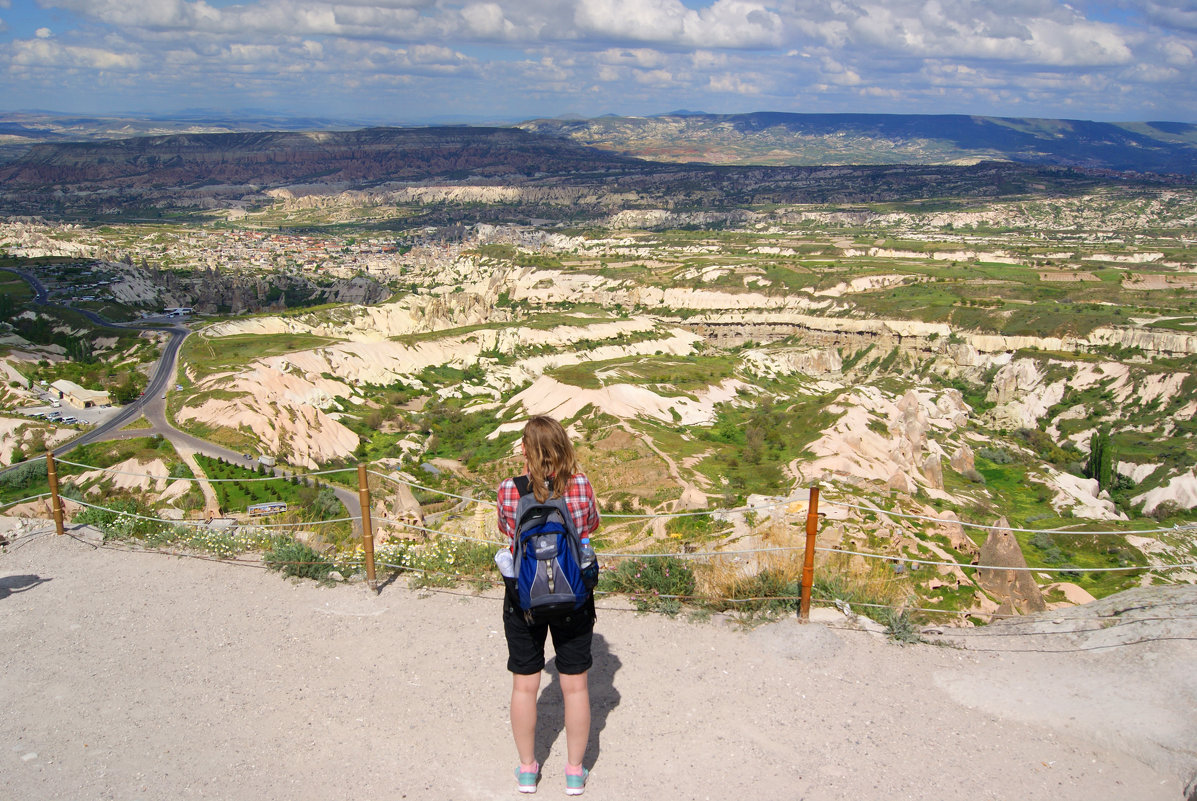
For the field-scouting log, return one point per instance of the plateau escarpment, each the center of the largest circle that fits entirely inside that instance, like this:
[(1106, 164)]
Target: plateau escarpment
[(510, 172)]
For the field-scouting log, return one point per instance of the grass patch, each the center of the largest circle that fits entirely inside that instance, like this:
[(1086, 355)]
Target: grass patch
[(205, 356)]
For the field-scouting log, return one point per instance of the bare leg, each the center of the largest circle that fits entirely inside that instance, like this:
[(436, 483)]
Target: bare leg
[(523, 714), (575, 689)]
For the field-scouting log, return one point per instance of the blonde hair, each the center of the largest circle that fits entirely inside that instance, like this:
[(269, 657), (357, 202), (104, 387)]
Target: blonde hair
[(550, 455)]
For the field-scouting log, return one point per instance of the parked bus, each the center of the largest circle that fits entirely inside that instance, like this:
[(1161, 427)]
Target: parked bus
[(271, 508)]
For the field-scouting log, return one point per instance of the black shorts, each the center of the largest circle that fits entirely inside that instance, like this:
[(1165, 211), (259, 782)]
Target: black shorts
[(571, 640)]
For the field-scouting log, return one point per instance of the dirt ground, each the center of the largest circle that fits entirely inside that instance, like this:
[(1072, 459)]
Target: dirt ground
[(133, 675)]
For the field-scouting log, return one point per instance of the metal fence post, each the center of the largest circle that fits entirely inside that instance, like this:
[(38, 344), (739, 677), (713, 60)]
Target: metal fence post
[(363, 495), (808, 562), (55, 501)]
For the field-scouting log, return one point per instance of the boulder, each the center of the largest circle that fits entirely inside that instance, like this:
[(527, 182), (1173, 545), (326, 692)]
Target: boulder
[(1012, 587)]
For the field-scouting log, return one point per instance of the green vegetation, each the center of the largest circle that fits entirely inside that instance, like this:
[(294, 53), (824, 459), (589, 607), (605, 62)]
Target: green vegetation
[(441, 562), (670, 375), (204, 356), (659, 584), (1101, 458), (751, 443), (298, 560), (246, 488)]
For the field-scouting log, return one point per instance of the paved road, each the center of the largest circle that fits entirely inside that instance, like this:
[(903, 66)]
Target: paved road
[(152, 404)]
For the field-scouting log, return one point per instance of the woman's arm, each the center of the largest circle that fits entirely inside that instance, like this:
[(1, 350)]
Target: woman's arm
[(509, 498), (582, 505)]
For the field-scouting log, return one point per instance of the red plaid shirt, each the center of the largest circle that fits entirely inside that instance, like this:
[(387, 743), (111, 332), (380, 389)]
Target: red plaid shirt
[(579, 497)]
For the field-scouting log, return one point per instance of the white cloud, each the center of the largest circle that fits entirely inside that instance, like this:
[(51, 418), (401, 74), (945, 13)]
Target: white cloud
[(47, 52), (726, 23), (732, 84), (655, 77), (651, 54), (1177, 53), (1181, 14), (641, 57), (835, 72), (1150, 73), (708, 59), (43, 33), (486, 20), (1033, 32)]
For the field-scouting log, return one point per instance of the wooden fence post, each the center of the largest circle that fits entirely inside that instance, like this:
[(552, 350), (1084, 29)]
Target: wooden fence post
[(55, 501), (808, 562), (363, 495)]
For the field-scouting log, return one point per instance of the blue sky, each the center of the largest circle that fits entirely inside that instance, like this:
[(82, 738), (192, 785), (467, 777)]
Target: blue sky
[(423, 60)]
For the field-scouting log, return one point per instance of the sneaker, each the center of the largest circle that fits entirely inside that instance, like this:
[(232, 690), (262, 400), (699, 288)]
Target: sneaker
[(576, 785), (527, 779)]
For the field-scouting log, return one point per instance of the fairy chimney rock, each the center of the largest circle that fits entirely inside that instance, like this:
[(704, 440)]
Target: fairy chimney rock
[(912, 422), (1006, 578), (964, 459), (933, 471), (953, 529), (900, 482)]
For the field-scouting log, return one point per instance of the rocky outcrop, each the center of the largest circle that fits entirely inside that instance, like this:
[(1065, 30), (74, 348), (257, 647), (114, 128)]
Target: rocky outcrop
[(963, 460), (952, 528), (933, 471), (1006, 577), (909, 430)]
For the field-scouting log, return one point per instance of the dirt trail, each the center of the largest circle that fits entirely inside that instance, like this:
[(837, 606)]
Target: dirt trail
[(691, 498), (136, 675), (211, 502)]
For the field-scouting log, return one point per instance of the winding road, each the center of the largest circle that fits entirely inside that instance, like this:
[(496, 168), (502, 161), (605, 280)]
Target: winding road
[(153, 405)]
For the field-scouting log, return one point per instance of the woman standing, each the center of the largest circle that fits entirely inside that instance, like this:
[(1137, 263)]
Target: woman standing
[(551, 470)]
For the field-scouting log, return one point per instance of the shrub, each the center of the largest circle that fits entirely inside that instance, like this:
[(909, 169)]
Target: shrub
[(294, 558), (439, 563), (899, 625), (24, 475), (647, 580), (1052, 554), (974, 475), (689, 526), (996, 455), (123, 519)]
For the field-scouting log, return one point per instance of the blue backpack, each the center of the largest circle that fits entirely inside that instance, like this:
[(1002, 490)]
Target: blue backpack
[(554, 571)]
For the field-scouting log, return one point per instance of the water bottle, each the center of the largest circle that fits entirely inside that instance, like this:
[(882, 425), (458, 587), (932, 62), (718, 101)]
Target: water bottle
[(589, 564), (504, 561)]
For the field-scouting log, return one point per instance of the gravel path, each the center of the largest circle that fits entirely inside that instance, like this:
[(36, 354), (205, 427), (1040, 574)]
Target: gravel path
[(132, 675)]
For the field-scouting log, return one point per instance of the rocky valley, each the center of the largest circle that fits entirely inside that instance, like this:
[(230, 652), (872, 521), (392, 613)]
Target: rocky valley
[(941, 349)]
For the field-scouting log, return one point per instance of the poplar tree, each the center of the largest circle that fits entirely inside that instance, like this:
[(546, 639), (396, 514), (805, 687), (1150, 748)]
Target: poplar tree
[(1101, 460)]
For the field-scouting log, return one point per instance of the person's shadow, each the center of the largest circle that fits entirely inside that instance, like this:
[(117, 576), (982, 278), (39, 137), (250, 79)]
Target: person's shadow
[(11, 584), (550, 708)]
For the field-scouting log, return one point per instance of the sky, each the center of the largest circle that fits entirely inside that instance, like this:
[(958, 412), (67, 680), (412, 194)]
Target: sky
[(411, 61)]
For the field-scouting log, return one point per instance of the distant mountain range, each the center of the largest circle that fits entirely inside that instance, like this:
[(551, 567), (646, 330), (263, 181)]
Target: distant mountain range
[(327, 157), (141, 176), (769, 138), (762, 138)]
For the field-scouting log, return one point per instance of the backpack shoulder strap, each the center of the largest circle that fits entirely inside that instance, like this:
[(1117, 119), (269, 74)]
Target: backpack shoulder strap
[(523, 485)]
